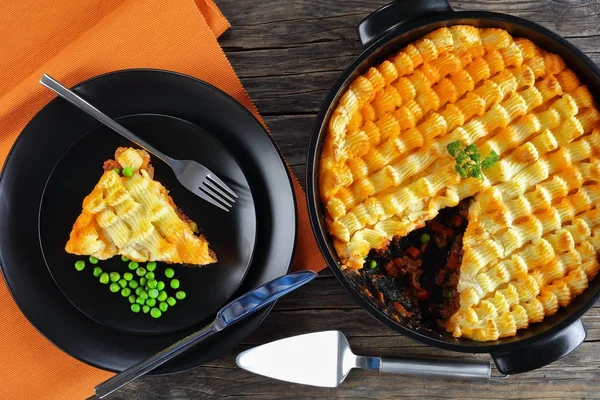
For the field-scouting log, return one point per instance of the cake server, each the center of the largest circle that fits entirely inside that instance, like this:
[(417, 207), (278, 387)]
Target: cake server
[(325, 359)]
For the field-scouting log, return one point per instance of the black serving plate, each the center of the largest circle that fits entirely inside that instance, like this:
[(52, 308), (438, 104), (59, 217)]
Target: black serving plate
[(186, 118), (231, 234)]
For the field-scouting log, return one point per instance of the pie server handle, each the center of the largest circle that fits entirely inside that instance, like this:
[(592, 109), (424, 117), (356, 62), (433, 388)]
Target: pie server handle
[(439, 368)]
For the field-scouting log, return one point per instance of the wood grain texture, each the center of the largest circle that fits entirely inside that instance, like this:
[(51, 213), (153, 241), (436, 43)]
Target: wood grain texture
[(288, 54)]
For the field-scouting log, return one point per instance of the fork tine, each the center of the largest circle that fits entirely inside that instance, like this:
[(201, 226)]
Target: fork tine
[(214, 195), (222, 184), (216, 189), (211, 200)]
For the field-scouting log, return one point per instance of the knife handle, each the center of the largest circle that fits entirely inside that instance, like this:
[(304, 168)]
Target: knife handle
[(143, 367), (437, 368)]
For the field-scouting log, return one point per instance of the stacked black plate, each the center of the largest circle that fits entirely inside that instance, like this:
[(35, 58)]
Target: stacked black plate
[(56, 162)]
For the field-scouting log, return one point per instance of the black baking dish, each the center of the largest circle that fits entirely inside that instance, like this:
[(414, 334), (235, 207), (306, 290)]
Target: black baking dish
[(382, 33)]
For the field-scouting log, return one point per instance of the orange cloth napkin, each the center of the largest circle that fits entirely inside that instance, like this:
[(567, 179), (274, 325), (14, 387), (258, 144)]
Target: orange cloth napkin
[(73, 40)]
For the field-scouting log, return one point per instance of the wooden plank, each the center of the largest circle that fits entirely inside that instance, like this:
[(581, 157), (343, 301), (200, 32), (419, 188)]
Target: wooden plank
[(568, 18), (294, 93), (268, 24), (288, 64), (292, 134)]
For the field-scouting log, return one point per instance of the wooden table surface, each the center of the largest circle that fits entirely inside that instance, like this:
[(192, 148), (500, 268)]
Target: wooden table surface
[(288, 53)]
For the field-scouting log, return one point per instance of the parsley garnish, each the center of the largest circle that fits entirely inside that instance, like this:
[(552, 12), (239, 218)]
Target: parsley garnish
[(469, 162)]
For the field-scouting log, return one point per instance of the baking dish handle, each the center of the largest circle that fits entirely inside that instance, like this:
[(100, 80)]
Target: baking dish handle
[(541, 353), (395, 14)]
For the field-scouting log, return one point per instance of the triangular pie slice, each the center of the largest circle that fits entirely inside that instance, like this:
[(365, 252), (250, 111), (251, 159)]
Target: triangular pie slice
[(134, 216)]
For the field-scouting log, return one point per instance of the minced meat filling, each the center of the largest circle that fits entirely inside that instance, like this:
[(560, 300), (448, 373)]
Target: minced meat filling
[(415, 277)]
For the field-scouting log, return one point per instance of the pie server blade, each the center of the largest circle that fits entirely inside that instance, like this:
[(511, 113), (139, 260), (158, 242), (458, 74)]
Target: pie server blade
[(325, 359)]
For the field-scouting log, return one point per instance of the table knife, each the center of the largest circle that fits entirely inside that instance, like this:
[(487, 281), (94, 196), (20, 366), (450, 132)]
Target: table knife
[(233, 312)]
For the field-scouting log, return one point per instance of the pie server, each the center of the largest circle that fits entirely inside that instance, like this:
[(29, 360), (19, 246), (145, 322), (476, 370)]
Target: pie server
[(233, 312), (325, 358)]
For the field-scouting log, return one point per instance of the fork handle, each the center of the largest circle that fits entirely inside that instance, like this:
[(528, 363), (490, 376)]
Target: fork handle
[(83, 105)]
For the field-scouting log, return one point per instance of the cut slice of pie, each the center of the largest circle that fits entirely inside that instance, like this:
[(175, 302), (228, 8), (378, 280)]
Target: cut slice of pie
[(130, 214)]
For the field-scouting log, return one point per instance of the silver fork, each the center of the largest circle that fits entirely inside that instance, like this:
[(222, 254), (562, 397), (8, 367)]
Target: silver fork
[(193, 176)]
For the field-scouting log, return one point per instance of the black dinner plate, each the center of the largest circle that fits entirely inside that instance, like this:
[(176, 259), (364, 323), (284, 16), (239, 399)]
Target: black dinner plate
[(231, 234), (140, 99)]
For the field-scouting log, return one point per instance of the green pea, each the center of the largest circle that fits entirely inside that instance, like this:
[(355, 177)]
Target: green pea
[(133, 284), (151, 302), (127, 171), (79, 265), (114, 287), (153, 293), (152, 283), (180, 295), (151, 266), (175, 283), (104, 279), (97, 271), (163, 306), (140, 271), (115, 276), (135, 308), (160, 285), (93, 260), (125, 292), (144, 295), (162, 296), (132, 265), (116, 171), (171, 301), (131, 298), (425, 238), (145, 309), (372, 264), (138, 291), (149, 275), (143, 281), (122, 282), (155, 312), (169, 273), (140, 301), (124, 259), (128, 276)]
